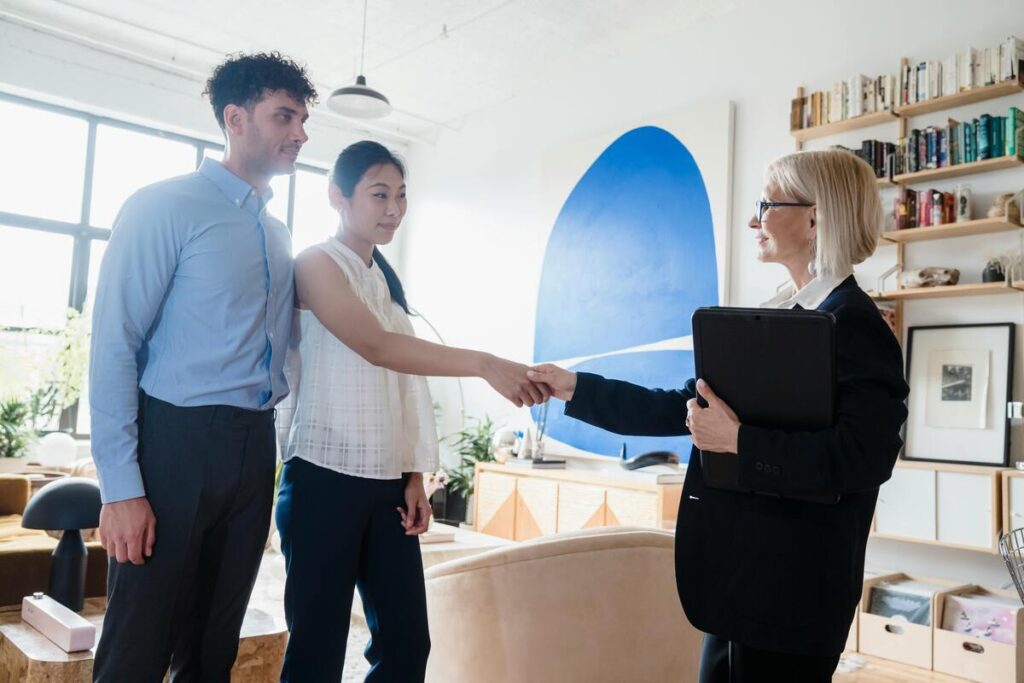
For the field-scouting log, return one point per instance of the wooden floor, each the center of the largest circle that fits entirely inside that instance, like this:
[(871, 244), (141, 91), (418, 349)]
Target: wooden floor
[(883, 671)]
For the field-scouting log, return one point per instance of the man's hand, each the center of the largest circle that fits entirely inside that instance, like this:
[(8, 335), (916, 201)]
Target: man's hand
[(562, 383), (715, 428), (416, 515), (128, 530)]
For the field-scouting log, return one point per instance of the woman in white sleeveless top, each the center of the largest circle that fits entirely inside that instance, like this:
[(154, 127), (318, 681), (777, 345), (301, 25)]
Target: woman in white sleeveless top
[(351, 500)]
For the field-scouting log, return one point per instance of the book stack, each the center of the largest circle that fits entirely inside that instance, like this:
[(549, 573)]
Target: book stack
[(881, 156), (844, 100), (973, 68), (962, 142), (924, 208)]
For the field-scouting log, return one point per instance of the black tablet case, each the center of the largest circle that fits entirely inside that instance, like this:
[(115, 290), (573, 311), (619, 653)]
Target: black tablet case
[(774, 367)]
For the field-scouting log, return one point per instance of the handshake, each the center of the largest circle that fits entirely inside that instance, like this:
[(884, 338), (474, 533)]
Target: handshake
[(526, 386)]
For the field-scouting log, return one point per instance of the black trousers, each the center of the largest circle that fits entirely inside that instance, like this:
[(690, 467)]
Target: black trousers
[(209, 477), (725, 661), (339, 533)]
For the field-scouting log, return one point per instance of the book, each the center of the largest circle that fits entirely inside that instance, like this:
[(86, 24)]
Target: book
[(991, 617), (1015, 132), (984, 128)]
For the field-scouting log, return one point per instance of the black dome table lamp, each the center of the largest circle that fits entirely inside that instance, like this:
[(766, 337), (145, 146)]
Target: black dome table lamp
[(67, 505)]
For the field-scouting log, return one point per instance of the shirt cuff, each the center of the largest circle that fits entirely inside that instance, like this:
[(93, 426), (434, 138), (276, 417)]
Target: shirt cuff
[(122, 482)]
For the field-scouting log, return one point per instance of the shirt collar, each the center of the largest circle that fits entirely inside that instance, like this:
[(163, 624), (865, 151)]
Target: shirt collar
[(810, 297), (238, 191)]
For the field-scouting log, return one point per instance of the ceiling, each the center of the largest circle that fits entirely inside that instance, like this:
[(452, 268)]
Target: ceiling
[(438, 61)]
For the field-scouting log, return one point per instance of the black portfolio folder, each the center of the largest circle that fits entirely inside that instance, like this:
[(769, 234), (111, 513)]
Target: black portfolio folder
[(774, 367)]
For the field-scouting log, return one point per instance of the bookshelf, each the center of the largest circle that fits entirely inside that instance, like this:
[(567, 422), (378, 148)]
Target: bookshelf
[(949, 291), (826, 129), (982, 226), (986, 92), (975, 167)]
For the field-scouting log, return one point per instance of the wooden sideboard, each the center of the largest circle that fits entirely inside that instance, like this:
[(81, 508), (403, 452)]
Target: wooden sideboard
[(520, 503)]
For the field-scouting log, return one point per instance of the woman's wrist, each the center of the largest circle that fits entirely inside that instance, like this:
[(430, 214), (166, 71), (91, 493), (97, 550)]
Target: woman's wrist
[(484, 363)]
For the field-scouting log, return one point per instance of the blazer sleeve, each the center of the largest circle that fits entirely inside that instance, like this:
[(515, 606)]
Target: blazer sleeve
[(859, 453), (625, 408)]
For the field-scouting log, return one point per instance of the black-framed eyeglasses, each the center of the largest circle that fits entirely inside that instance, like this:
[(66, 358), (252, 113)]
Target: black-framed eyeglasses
[(760, 206)]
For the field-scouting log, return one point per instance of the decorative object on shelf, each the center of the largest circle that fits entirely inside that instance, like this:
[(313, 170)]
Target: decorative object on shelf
[(1004, 206), (503, 444), (963, 203), (68, 505), (960, 380), (993, 271), (56, 449), (933, 276)]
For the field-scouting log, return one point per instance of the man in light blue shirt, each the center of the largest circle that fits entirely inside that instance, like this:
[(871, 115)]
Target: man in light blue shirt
[(190, 329)]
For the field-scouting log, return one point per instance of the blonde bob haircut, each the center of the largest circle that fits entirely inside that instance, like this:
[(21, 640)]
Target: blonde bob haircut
[(844, 189)]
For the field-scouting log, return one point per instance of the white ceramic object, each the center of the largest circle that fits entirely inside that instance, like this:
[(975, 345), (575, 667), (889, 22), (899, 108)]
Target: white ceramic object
[(57, 450)]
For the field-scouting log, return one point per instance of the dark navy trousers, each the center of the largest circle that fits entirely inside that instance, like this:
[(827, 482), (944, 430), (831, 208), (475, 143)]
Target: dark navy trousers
[(339, 533)]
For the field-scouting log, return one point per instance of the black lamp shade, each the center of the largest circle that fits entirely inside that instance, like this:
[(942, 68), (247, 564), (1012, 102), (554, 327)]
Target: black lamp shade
[(67, 505), (71, 503)]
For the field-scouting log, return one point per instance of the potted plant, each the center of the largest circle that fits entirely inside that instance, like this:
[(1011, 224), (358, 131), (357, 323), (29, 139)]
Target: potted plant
[(16, 433), (473, 445)]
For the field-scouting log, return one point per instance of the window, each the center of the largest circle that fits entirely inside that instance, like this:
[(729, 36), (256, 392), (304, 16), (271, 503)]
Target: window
[(57, 204), (314, 219)]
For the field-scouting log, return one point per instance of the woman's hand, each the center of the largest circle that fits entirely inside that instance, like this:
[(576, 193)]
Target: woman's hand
[(715, 428), (561, 383), (510, 380), (416, 515)]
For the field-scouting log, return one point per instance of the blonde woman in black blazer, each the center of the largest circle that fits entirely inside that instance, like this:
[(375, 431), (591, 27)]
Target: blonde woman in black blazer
[(774, 582)]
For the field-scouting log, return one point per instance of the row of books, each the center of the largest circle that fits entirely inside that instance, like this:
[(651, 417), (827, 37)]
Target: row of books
[(961, 142), (846, 99), (923, 208), (973, 68), (915, 82)]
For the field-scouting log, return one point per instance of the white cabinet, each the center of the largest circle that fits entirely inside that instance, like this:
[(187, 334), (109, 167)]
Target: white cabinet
[(966, 509), (943, 504), (906, 505), (1013, 500)]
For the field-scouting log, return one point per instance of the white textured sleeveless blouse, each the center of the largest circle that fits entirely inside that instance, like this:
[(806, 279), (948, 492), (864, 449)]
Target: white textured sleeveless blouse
[(347, 414)]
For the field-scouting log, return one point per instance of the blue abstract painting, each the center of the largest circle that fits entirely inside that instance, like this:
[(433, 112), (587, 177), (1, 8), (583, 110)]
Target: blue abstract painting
[(630, 257)]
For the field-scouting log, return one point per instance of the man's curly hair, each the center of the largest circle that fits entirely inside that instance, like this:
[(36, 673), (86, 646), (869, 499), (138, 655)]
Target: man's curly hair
[(244, 80)]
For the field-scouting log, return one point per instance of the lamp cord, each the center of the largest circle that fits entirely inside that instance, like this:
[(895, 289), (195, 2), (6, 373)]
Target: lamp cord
[(362, 52)]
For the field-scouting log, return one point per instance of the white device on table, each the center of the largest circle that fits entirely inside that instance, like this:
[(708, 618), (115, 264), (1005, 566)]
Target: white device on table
[(69, 631)]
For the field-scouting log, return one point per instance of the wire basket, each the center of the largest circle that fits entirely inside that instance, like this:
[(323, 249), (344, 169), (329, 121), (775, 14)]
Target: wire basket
[(1011, 547)]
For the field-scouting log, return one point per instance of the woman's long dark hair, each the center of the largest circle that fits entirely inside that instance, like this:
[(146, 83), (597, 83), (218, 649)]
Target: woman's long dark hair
[(352, 164)]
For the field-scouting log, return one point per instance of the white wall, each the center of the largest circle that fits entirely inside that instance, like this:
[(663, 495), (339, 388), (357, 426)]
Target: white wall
[(479, 222)]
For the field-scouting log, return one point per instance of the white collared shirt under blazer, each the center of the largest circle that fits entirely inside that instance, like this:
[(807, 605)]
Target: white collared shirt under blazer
[(349, 415)]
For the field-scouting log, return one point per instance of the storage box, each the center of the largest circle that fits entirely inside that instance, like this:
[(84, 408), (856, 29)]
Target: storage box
[(896, 639), (974, 657), (852, 641)]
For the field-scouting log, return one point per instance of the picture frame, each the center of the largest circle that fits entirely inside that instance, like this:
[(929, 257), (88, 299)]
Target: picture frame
[(961, 380)]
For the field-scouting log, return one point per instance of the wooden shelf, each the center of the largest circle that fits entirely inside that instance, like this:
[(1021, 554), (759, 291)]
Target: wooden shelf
[(937, 232), (826, 129), (949, 291), (988, 92), (984, 166), (884, 183)]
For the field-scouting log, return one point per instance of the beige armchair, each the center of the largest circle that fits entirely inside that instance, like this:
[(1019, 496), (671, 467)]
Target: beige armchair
[(590, 606)]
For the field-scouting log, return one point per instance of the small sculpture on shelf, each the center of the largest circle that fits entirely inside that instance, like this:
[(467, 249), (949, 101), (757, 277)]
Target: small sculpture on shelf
[(1004, 206), (993, 271), (933, 276)]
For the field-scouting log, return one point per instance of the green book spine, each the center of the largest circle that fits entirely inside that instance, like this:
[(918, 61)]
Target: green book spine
[(1015, 132)]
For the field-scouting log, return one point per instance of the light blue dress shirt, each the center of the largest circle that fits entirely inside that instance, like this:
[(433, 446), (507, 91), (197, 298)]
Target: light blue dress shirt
[(193, 306)]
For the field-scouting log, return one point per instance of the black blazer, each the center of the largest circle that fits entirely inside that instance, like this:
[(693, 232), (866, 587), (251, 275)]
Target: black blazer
[(768, 572)]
